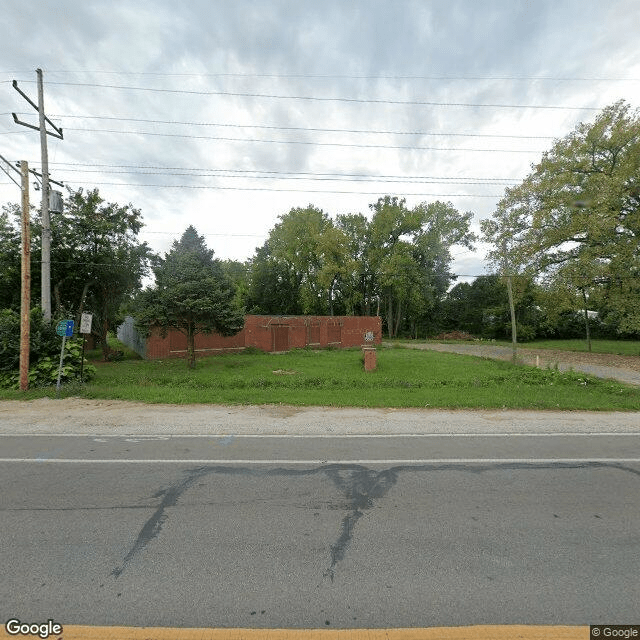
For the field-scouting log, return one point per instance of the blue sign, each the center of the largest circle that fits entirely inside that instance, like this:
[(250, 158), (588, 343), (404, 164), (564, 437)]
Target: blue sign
[(65, 328)]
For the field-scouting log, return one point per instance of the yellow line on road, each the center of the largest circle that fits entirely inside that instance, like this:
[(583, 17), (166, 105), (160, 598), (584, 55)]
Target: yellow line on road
[(481, 632)]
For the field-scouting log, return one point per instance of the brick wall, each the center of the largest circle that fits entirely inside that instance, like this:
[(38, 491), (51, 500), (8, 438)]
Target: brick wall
[(272, 333)]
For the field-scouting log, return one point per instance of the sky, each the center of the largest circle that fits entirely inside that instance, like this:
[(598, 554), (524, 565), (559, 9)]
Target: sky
[(227, 114)]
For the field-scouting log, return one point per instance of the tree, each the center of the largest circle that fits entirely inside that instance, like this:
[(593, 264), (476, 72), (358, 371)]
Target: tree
[(358, 282), (313, 252), (9, 258), (398, 262), (409, 255), (273, 285), (97, 260), (479, 308), (574, 222), (236, 272), (191, 294)]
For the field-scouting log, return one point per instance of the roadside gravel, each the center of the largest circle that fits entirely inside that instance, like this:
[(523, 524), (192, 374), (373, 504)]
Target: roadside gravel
[(99, 417)]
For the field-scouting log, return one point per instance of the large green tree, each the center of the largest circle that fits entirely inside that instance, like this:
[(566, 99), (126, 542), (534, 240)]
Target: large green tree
[(574, 221), (274, 287), (314, 252), (97, 261), (191, 294), (409, 256), (396, 263), (9, 258)]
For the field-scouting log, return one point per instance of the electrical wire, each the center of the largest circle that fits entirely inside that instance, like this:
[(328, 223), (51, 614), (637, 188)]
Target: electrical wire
[(330, 76), (237, 94), (399, 180), (311, 129), (219, 188), (305, 142), (296, 173)]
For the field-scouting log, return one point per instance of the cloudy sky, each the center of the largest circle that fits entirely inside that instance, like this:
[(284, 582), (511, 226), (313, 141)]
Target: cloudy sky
[(226, 114)]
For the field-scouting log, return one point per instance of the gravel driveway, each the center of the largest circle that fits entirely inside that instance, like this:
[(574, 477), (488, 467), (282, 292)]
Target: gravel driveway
[(603, 365)]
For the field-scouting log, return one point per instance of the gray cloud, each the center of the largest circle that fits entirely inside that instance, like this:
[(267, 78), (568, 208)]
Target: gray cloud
[(432, 51)]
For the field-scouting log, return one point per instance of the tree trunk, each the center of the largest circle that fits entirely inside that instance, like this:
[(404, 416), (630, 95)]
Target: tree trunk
[(333, 284), (83, 297), (514, 333), (586, 321), (104, 330), (390, 316), (191, 348), (103, 340), (56, 297), (398, 317)]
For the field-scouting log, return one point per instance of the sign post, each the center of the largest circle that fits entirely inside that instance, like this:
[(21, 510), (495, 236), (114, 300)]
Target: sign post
[(64, 329), (369, 351), (85, 327)]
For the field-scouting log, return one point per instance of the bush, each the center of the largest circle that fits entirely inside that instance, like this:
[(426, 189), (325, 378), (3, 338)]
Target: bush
[(44, 353)]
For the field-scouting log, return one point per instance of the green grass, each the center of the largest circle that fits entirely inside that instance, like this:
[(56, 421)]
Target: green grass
[(598, 345), (404, 378)]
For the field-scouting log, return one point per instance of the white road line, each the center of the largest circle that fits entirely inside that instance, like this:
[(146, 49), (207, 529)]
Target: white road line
[(158, 436), (321, 462)]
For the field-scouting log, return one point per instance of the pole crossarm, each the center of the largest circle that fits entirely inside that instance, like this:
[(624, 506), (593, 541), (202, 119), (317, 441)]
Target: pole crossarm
[(39, 175), (58, 130)]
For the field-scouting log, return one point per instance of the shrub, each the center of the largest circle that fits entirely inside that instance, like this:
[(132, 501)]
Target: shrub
[(44, 353)]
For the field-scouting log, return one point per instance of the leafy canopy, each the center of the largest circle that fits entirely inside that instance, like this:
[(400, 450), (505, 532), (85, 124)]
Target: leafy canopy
[(575, 220)]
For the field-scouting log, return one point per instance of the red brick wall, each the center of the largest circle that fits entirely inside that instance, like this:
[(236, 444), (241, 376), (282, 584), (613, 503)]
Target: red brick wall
[(270, 332)]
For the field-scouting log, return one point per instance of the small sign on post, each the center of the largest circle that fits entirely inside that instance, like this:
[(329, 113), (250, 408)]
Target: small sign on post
[(85, 327), (85, 322), (64, 329)]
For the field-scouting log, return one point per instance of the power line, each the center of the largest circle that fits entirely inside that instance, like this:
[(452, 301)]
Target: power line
[(238, 94), (312, 129), (218, 188), (334, 76), (306, 142), (399, 180), (296, 173)]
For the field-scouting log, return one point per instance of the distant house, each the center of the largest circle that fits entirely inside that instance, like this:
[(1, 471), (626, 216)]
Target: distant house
[(267, 333)]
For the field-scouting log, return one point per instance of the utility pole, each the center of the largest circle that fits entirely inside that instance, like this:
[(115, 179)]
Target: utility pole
[(25, 286), (25, 280), (46, 221)]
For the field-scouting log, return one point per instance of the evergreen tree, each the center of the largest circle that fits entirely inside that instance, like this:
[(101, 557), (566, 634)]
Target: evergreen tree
[(191, 294)]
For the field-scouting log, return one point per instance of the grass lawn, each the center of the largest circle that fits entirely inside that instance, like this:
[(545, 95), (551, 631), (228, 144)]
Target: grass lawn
[(404, 378)]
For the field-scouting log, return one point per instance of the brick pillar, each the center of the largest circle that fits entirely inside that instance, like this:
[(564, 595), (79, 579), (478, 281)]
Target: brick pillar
[(370, 358)]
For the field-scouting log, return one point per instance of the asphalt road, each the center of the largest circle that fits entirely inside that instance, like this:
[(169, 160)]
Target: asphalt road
[(324, 531)]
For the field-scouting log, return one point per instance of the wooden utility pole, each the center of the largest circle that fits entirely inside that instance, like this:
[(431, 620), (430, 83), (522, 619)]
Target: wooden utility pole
[(46, 221), (25, 286)]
